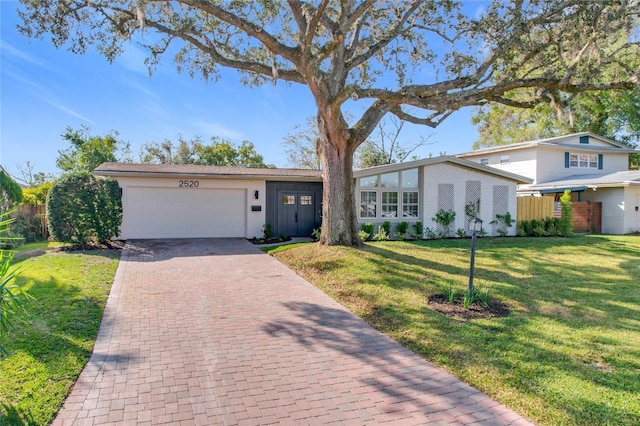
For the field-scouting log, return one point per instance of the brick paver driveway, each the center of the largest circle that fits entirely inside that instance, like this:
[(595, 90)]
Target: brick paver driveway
[(216, 332)]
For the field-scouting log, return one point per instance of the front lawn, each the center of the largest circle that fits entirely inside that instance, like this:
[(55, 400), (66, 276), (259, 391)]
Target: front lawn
[(568, 354), (51, 347)]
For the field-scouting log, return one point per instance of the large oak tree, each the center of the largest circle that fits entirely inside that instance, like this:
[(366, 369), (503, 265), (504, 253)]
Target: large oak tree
[(418, 60)]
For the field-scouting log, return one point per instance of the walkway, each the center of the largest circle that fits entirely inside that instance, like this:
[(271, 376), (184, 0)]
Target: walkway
[(208, 332)]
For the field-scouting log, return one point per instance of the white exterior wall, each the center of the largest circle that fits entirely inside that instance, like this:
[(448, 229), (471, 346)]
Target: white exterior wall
[(522, 161), (631, 209), (613, 211), (253, 221), (551, 163), (458, 176)]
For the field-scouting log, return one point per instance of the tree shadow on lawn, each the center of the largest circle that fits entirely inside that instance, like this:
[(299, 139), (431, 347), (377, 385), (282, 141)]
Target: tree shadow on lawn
[(536, 360)]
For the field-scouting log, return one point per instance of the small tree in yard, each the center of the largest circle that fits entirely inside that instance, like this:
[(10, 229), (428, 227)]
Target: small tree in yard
[(82, 208), (566, 215), (417, 60)]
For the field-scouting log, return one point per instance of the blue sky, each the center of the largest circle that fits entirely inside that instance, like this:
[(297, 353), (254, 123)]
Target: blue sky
[(43, 90)]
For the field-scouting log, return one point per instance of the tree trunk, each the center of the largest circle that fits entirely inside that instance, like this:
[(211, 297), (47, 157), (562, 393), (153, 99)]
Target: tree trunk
[(339, 226)]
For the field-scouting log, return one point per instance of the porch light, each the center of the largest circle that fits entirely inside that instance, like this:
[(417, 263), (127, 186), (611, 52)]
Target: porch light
[(475, 225), (256, 194)]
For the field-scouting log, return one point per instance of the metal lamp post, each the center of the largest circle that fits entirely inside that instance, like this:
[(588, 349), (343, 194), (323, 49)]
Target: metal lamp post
[(476, 226)]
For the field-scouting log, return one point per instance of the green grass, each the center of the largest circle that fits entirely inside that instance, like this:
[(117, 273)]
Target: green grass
[(52, 345), (569, 353)]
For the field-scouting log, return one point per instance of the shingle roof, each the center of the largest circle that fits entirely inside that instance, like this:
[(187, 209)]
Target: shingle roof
[(155, 170), (623, 178)]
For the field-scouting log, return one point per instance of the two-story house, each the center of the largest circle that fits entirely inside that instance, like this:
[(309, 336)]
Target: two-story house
[(594, 168)]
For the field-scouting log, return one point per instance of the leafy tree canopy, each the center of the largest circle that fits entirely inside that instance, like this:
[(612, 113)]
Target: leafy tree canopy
[(219, 153), (418, 60), (86, 152)]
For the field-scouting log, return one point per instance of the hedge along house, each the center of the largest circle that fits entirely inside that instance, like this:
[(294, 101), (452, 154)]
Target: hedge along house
[(416, 190), (192, 201)]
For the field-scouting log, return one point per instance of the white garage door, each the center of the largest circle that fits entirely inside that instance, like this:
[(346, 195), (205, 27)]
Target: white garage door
[(184, 213)]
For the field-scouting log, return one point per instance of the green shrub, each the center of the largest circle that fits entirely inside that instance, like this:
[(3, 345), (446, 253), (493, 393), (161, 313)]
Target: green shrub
[(503, 222), (368, 229), (386, 225), (401, 230), (565, 225), (364, 235), (417, 231), (445, 218), (267, 231), (461, 233), (81, 208), (382, 234), (10, 293)]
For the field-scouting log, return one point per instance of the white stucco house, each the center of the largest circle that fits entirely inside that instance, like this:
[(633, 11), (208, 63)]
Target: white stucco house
[(594, 168), (190, 201)]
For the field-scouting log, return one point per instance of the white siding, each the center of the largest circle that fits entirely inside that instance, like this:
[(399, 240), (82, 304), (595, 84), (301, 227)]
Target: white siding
[(613, 208), (216, 208), (631, 209), (458, 176)]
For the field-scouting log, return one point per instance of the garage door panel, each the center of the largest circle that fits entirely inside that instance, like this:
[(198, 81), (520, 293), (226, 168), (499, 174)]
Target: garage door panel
[(184, 213)]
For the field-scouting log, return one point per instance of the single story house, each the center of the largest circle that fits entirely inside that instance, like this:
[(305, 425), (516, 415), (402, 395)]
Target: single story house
[(192, 201), (416, 190)]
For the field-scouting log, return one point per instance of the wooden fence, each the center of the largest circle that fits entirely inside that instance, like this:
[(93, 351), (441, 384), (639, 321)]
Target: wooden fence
[(530, 208), (587, 215)]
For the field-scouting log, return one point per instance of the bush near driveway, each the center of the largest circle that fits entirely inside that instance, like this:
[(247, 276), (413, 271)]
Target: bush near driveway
[(82, 207), (568, 354)]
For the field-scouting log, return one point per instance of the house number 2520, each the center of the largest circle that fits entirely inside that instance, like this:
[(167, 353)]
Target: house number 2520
[(188, 184)]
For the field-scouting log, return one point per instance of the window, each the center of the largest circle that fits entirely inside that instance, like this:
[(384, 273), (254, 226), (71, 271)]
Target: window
[(573, 160), (484, 161), (306, 200), (504, 159), (368, 202), (390, 196), (410, 204), (369, 182), (288, 199), (389, 180), (410, 178), (583, 161), (389, 204)]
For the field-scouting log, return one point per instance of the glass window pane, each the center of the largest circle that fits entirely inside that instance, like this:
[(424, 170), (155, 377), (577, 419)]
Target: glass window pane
[(369, 182), (573, 160), (389, 204), (410, 178), (593, 161), (288, 199), (505, 159), (368, 203), (389, 180), (584, 160), (410, 204), (306, 200)]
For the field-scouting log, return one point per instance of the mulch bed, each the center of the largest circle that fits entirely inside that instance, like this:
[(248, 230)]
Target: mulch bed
[(259, 241), (107, 245), (495, 309)]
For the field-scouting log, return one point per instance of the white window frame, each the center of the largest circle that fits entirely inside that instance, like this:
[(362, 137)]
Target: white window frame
[(379, 206), (505, 159), (583, 161)]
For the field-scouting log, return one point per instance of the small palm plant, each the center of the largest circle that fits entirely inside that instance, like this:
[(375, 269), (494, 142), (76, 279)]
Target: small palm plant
[(10, 293)]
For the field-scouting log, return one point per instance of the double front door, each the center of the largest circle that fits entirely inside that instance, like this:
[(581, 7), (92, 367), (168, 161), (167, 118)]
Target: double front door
[(296, 213)]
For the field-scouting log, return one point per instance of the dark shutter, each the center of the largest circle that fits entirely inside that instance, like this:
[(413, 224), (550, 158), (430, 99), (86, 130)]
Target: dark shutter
[(584, 139), (600, 158), (566, 160)]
